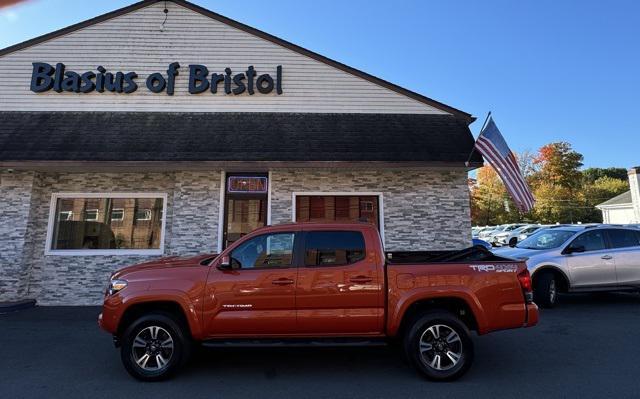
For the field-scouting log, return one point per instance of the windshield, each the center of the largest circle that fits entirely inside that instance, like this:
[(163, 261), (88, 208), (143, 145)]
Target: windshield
[(546, 239)]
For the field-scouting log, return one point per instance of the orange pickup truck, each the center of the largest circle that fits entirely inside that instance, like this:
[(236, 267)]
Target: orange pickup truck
[(315, 284)]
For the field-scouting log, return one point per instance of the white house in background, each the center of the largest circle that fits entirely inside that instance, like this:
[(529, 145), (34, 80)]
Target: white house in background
[(618, 210), (624, 208)]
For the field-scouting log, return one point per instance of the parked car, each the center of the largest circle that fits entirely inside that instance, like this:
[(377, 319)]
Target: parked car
[(498, 236), (486, 232), (481, 243), (524, 232), (315, 284), (518, 234), (580, 258)]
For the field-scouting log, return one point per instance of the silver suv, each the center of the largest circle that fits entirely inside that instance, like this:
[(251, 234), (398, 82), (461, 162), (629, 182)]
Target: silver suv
[(580, 259)]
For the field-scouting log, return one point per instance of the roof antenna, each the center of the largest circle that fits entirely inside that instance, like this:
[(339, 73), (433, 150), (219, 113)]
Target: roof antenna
[(166, 14)]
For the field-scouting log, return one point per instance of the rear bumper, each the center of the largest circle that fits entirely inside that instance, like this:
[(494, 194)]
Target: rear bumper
[(532, 316)]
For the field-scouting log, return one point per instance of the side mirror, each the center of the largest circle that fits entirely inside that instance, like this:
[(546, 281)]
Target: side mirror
[(578, 249), (225, 263)]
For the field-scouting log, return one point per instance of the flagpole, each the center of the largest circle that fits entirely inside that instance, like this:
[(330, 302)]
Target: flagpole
[(474, 143)]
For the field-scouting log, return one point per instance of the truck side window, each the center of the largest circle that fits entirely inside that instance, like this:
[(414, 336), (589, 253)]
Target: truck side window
[(333, 248), (268, 250)]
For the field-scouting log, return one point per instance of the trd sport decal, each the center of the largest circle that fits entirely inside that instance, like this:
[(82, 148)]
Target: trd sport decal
[(507, 268)]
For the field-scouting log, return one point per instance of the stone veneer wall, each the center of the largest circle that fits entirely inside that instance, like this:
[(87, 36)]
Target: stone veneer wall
[(191, 227), (423, 208), (15, 205)]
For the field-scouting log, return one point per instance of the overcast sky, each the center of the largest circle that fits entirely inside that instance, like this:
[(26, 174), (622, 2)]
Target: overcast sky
[(549, 70)]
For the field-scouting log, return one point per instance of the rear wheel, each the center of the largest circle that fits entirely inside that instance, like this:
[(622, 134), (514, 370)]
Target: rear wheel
[(439, 346), (154, 347), (545, 291), (513, 241)]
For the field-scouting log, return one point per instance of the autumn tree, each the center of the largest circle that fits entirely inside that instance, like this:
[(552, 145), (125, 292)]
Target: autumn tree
[(490, 202), (556, 183), (564, 193)]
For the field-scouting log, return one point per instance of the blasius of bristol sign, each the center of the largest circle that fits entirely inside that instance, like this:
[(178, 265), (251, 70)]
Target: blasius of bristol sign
[(47, 77)]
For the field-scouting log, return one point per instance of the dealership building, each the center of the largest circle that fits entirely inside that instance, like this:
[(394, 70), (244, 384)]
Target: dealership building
[(166, 129)]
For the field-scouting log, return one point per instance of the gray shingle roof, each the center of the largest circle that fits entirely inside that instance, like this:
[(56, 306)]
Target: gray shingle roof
[(154, 136), (622, 199)]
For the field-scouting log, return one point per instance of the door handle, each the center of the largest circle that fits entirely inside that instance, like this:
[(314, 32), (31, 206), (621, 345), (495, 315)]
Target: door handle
[(282, 281), (606, 257), (361, 279)]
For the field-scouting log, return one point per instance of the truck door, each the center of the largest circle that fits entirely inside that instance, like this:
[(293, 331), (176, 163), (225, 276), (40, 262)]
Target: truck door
[(339, 286), (595, 265), (256, 297)]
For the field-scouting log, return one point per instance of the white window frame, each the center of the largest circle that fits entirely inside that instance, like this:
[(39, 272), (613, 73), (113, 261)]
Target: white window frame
[(147, 213), (69, 215), (103, 252), (117, 220), (378, 194), (97, 211)]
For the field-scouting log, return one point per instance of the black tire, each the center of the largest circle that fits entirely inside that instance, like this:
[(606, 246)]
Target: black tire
[(424, 360), (513, 241), (545, 290), (174, 359)]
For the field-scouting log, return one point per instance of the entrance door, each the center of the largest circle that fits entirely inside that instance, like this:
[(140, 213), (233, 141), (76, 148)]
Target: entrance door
[(245, 206)]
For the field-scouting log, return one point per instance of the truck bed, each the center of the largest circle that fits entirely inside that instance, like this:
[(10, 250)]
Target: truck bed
[(471, 254)]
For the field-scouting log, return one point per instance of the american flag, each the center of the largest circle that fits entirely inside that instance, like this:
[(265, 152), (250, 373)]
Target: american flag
[(495, 150)]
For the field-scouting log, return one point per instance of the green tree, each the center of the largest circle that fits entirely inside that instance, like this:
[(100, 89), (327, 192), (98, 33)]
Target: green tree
[(602, 189), (590, 175), (557, 182)]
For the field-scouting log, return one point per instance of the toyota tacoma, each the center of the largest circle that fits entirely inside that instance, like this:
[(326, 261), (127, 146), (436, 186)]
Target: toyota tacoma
[(319, 285)]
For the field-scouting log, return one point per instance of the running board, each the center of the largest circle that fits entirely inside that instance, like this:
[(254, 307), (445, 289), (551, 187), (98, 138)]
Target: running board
[(294, 343)]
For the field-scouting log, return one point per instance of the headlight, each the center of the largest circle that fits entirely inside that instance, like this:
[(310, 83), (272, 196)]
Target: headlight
[(116, 286)]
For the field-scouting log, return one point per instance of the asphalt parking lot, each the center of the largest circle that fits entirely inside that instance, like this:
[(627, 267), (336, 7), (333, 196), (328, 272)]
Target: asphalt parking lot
[(589, 347)]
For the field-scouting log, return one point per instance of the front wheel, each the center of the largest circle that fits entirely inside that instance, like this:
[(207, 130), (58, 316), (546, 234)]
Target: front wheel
[(439, 345), (153, 347)]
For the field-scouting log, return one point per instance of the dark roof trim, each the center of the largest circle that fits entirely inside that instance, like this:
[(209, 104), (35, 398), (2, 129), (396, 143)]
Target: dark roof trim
[(229, 166), (468, 118)]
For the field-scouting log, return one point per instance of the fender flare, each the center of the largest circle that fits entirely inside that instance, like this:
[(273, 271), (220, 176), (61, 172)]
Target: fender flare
[(554, 269), (397, 314), (191, 314)]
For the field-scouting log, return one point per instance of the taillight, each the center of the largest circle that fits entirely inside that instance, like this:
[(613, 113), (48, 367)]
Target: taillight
[(525, 283)]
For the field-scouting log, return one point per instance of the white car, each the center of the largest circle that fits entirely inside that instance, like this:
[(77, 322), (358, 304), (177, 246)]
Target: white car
[(499, 237), (521, 233)]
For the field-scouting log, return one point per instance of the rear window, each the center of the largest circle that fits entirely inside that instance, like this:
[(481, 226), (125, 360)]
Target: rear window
[(621, 238), (332, 248)]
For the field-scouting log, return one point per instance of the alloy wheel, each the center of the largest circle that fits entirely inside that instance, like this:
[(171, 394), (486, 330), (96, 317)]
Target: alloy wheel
[(440, 347), (152, 348)]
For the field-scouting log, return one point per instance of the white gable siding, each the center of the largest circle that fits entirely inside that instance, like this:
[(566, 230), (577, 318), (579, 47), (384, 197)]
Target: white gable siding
[(133, 42)]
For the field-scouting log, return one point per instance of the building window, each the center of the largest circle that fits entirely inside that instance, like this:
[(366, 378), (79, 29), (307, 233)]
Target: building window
[(117, 214), (65, 215), (337, 208), (111, 223), (90, 215), (144, 214)]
